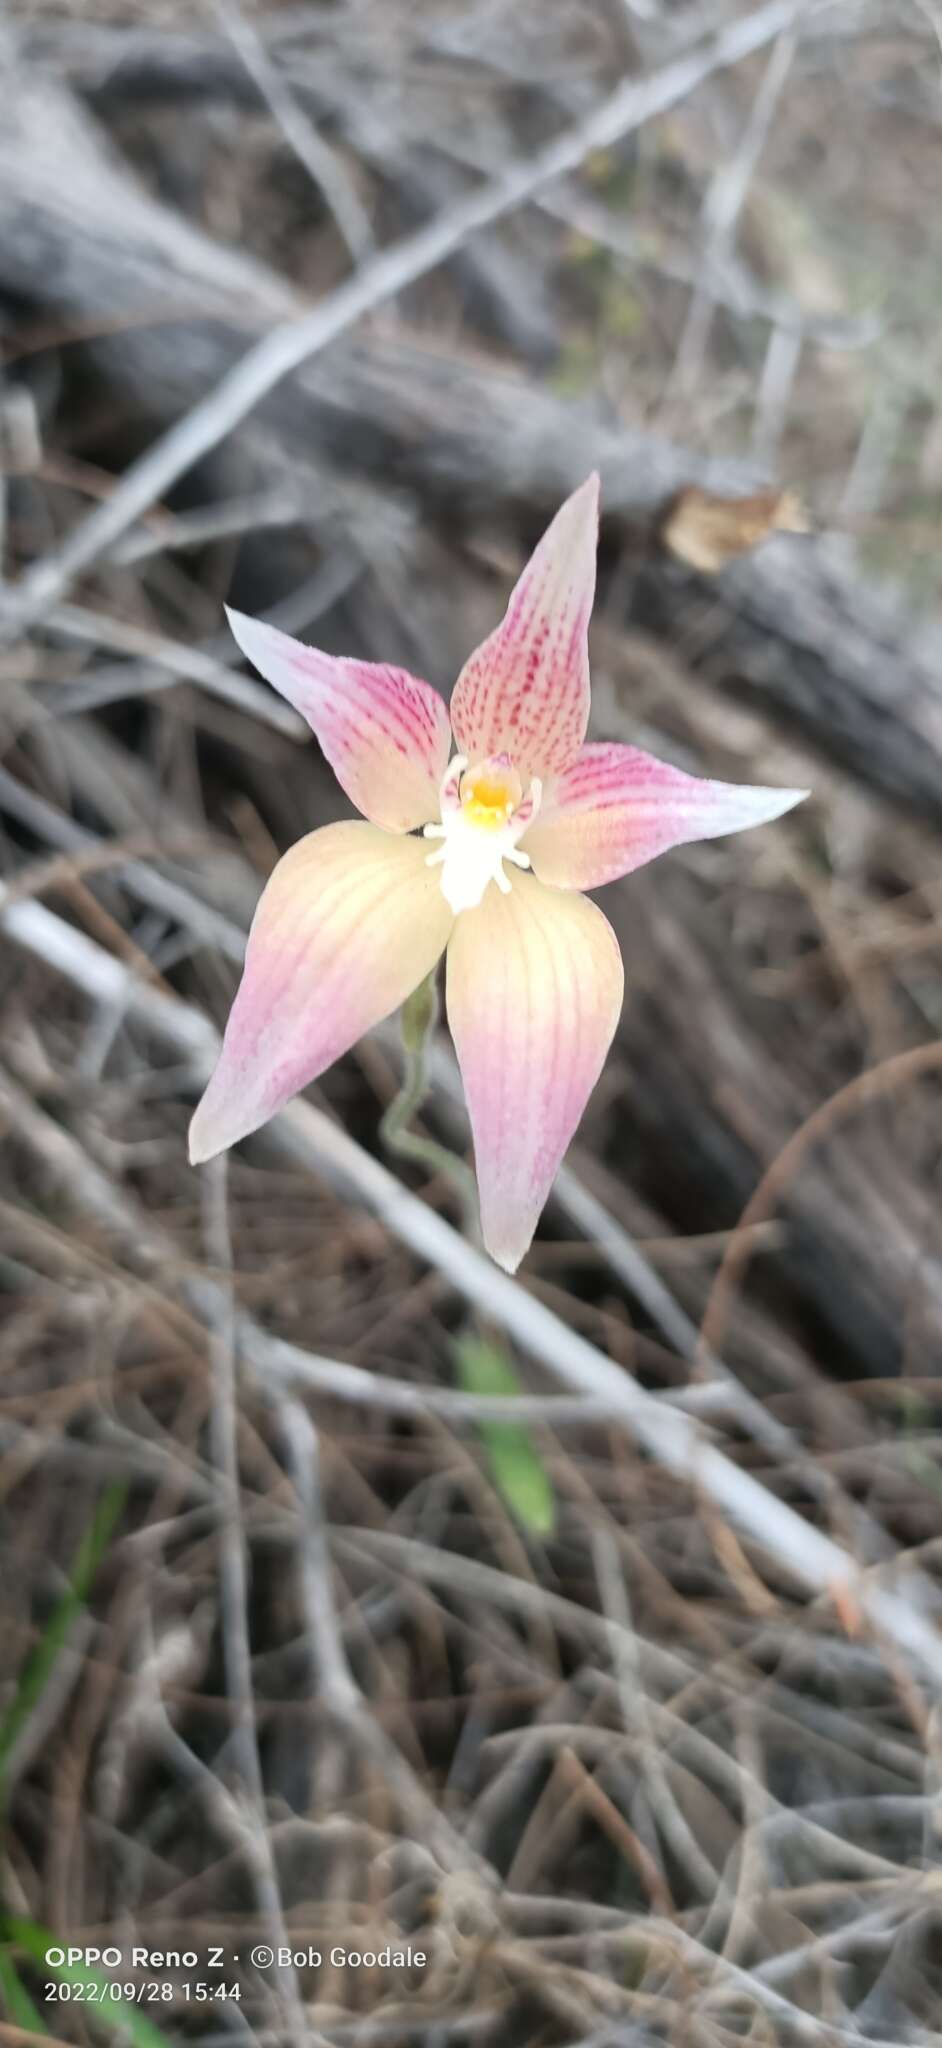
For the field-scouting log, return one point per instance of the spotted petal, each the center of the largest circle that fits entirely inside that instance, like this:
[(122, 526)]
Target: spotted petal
[(350, 922), (384, 732), (534, 990), (525, 690), (616, 807)]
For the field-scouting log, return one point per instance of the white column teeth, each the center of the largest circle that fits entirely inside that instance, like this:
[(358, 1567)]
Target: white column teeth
[(472, 855)]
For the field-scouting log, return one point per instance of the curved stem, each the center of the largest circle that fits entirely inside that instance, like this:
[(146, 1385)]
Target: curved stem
[(419, 1018)]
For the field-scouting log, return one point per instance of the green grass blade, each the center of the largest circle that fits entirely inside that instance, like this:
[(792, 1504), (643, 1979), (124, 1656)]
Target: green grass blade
[(516, 1468), (119, 2015), (19, 2007), (41, 1661)]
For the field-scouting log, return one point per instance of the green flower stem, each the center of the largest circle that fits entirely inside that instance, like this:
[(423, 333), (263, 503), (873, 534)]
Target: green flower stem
[(419, 1018)]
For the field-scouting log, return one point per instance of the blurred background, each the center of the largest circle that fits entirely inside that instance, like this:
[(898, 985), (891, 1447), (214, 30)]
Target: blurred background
[(298, 1649)]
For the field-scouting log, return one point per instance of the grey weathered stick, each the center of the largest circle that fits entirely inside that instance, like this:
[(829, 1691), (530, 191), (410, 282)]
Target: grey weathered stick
[(325, 169), (234, 1594), (307, 1135), (77, 622), (720, 213), (336, 1685), (290, 344)]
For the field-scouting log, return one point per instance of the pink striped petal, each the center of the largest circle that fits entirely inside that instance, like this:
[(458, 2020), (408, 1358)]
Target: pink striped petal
[(535, 986), (525, 691), (385, 733), (615, 807), (349, 923)]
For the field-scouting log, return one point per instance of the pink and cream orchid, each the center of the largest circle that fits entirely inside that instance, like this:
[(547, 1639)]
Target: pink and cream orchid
[(483, 854)]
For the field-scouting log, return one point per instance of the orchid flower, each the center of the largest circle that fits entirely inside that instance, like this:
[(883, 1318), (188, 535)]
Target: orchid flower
[(483, 855)]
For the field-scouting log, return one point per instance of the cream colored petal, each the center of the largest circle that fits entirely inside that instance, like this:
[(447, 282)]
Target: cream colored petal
[(350, 922), (534, 990)]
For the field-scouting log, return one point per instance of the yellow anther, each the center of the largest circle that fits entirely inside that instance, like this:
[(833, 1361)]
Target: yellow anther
[(490, 793)]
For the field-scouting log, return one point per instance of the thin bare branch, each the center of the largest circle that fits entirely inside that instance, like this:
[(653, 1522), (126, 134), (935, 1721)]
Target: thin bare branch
[(186, 664), (322, 164), (233, 1587)]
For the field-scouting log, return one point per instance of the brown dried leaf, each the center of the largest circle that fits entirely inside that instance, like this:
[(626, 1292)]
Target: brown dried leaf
[(706, 531)]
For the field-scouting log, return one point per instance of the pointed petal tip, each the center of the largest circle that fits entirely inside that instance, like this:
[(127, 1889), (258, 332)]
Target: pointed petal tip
[(218, 1123), (249, 634), (200, 1146), (586, 498), (508, 1260), (253, 638), (780, 801)]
